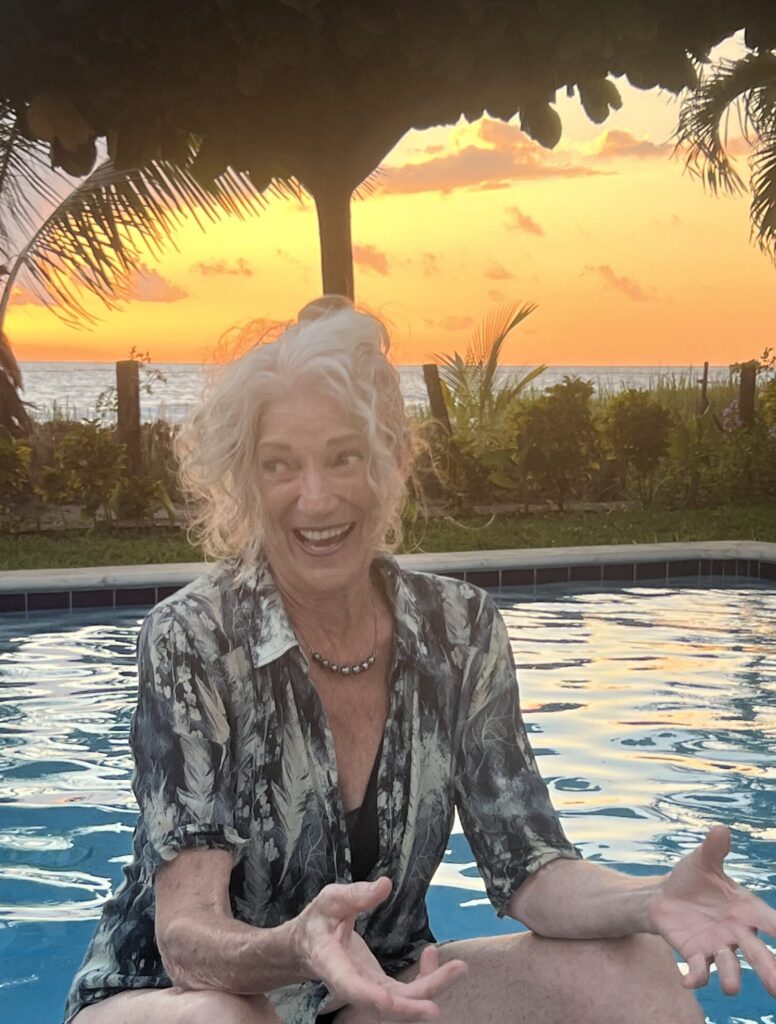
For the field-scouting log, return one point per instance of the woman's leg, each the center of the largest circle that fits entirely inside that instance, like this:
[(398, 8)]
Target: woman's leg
[(522, 979), (174, 1006)]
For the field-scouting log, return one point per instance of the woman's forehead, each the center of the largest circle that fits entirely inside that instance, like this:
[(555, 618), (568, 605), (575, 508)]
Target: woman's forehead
[(307, 415)]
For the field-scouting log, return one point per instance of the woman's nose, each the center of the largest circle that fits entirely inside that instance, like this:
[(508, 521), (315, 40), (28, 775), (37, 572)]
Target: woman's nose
[(315, 492)]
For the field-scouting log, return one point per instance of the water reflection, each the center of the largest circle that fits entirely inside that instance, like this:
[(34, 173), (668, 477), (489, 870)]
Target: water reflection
[(652, 712)]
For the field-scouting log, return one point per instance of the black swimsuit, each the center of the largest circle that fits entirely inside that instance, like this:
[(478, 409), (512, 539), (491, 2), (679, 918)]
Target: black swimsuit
[(362, 836)]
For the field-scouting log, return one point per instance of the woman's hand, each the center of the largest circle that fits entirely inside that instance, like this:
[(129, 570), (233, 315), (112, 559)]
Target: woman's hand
[(706, 916), (330, 949)]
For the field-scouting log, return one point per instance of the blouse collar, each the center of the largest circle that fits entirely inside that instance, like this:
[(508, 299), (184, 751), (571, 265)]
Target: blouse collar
[(271, 634)]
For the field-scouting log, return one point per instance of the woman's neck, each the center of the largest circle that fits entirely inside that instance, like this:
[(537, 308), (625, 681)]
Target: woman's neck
[(341, 623)]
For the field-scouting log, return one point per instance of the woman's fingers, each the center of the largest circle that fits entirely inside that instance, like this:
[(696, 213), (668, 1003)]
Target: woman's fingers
[(346, 901), (698, 971), (760, 958), (429, 960), (728, 970), (715, 847), (432, 979)]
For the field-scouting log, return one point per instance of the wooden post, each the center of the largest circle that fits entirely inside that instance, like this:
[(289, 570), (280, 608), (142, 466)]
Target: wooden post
[(746, 393), (435, 396), (128, 426), (703, 401)]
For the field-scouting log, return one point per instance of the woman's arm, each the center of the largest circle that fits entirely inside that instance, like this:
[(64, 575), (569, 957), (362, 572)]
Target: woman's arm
[(201, 944), (699, 910), (203, 947), (574, 899)]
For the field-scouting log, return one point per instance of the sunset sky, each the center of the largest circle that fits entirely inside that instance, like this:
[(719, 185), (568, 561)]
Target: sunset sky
[(627, 258)]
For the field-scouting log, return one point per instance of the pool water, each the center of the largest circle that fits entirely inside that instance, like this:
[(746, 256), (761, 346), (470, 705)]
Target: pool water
[(652, 712)]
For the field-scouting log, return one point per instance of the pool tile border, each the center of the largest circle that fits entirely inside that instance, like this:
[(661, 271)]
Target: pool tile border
[(141, 586)]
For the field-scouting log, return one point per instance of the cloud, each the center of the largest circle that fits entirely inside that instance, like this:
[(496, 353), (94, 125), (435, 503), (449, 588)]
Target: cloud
[(517, 221), (615, 142), (485, 155), (23, 296), (370, 258), (455, 323), (148, 286), (625, 285), (429, 264), (495, 295), (498, 273), (219, 268)]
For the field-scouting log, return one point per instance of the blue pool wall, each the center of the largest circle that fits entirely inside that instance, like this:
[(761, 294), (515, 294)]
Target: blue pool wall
[(46, 590)]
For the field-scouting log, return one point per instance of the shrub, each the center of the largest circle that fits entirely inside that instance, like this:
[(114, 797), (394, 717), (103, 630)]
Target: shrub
[(557, 439), (86, 467), (636, 429), (14, 465)]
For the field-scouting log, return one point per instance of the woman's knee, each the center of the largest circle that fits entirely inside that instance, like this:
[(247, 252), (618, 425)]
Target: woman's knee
[(175, 1006), (205, 1007)]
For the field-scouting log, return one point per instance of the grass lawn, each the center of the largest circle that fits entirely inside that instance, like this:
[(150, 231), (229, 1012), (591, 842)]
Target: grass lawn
[(536, 530)]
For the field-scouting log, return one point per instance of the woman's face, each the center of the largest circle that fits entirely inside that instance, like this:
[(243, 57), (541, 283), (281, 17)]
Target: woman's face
[(320, 515)]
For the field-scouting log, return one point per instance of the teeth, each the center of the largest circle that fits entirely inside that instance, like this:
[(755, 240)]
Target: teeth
[(316, 535)]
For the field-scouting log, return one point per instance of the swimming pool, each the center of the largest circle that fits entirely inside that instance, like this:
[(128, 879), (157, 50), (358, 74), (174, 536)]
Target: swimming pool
[(652, 711)]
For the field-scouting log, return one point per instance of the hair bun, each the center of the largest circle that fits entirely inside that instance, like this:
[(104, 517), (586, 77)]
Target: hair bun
[(322, 307)]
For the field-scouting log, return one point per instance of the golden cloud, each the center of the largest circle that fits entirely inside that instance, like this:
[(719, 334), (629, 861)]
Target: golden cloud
[(147, 285), (369, 257), (486, 154), (625, 285), (21, 295), (219, 268), (498, 273), (518, 221)]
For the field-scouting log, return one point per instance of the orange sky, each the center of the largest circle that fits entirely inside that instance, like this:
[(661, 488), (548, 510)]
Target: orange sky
[(628, 259)]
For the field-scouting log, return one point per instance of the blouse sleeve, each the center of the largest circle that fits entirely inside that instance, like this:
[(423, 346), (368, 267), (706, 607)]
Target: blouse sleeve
[(502, 800), (184, 777)]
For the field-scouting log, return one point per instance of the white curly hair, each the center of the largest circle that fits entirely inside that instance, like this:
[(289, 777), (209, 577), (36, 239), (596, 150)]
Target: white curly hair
[(332, 349)]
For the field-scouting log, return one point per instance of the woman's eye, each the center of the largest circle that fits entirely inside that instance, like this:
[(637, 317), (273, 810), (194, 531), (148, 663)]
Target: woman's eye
[(271, 466), (349, 458)]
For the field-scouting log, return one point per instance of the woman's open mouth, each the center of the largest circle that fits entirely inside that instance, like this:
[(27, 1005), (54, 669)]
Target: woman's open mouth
[(326, 540)]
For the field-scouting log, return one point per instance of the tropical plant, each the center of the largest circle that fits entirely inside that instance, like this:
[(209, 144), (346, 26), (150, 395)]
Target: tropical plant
[(636, 427), (13, 416), (87, 467), (557, 437), (322, 91), (475, 399), (482, 408), (67, 242), (747, 85), (689, 479), (14, 465)]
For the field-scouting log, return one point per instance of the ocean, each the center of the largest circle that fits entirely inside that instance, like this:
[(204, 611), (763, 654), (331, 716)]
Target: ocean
[(72, 389)]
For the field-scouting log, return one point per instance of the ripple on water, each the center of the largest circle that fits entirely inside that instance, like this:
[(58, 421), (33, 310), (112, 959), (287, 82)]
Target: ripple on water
[(652, 712)]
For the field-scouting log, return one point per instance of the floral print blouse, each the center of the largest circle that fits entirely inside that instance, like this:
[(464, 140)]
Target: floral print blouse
[(233, 751)]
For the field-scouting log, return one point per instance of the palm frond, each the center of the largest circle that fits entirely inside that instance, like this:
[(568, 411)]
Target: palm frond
[(763, 205), (8, 364), (96, 238), (27, 182), (503, 324), (703, 112)]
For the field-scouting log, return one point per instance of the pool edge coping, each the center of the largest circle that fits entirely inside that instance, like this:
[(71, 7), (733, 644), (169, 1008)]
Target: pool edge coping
[(31, 590)]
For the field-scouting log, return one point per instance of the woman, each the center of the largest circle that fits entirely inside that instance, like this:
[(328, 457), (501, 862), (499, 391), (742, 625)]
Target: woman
[(310, 716)]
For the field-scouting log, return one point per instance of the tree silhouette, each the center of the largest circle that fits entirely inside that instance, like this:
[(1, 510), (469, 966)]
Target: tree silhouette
[(748, 85), (319, 91)]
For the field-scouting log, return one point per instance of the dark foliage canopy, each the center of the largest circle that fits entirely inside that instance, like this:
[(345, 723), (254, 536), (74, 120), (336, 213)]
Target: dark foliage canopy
[(320, 90)]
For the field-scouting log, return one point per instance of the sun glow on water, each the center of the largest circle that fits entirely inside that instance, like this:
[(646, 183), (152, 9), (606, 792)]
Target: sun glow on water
[(652, 712)]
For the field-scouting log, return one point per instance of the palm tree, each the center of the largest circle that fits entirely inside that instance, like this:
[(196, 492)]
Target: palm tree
[(67, 241), (476, 401), (747, 85)]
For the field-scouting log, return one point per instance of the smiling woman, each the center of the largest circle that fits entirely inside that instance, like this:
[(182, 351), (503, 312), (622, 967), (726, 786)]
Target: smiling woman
[(246, 440), (310, 719)]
